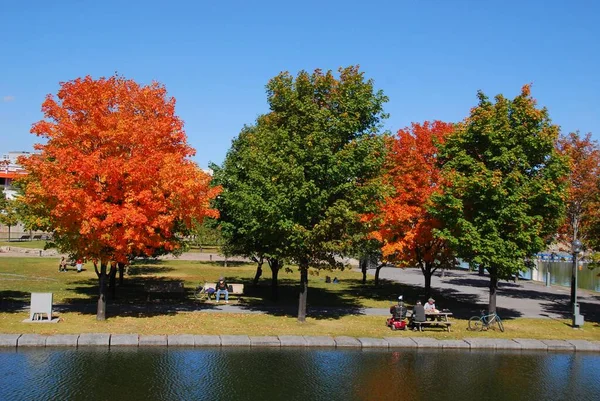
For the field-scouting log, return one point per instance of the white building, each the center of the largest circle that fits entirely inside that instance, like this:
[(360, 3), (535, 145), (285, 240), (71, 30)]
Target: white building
[(9, 170)]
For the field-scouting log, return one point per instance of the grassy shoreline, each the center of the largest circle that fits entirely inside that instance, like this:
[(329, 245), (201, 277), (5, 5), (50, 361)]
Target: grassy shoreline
[(269, 325)]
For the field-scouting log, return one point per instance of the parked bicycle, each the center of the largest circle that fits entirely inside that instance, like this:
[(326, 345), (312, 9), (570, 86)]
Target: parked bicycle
[(485, 321)]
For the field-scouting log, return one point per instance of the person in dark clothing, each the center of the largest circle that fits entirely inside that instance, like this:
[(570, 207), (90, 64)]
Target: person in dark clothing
[(418, 314), (398, 311), (222, 288)]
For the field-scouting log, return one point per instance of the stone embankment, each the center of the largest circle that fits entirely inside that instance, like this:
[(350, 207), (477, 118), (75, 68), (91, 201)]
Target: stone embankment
[(19, 251), (189, 340)]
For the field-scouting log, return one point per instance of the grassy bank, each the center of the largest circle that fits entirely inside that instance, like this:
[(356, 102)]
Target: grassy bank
[(228, 323), (130, 312)]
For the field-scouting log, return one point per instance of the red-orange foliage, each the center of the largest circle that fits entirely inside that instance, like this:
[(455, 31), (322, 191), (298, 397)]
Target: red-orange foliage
[(405, 226), (114, 177), (583, 190)]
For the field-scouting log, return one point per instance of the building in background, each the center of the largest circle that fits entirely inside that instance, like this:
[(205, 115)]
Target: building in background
[(9, 171)]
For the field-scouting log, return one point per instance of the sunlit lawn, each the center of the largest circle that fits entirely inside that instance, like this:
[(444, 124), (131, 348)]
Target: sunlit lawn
[(21, 276)]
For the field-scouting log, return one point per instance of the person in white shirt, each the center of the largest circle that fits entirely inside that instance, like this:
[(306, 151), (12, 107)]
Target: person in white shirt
[(430, 306)]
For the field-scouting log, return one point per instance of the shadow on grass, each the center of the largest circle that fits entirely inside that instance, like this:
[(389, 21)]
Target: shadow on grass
[(325, 300), (131, 300), (139, 269), (14, 301)]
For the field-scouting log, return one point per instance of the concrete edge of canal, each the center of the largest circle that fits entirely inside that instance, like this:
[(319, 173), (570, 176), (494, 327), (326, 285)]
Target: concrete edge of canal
[(190, 340)]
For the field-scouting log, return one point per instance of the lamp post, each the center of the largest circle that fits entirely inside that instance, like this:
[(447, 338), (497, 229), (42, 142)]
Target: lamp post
[(577, 318)]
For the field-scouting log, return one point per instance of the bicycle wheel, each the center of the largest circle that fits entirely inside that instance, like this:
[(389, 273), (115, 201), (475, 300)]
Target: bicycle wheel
[(500, 325), (475, 324)]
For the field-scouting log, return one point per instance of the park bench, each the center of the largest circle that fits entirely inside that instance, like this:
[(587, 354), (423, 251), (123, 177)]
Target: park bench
[(439, 319), (234, 289), (25, 237), (432, 323), (37, 237), (169, 288)]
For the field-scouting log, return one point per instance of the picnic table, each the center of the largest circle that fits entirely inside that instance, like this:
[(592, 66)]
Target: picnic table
[(437, 319)]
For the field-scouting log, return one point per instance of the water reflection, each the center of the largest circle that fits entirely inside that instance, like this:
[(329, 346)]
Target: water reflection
[(295, 374), (560, 274)]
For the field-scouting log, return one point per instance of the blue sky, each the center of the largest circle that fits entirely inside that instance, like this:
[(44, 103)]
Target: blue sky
[(429, 56)]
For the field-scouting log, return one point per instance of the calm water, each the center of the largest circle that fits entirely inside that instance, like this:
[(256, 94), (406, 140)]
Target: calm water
[(560, 274), (295, 374)]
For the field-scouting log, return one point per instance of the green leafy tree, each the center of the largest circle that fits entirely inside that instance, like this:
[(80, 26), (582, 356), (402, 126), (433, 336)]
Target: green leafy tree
[(206, 233), (9, 215), (248, 204), (307, 169), (504, 185)]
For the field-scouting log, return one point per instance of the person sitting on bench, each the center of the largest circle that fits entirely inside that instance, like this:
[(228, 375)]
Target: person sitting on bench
[(418, 315), (222, 288)]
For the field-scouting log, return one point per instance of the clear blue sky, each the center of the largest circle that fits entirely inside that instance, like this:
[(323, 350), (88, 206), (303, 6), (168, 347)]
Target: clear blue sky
[(429, 56)]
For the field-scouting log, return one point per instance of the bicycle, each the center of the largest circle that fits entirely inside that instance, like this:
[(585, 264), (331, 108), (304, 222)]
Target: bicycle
[(485, 321)]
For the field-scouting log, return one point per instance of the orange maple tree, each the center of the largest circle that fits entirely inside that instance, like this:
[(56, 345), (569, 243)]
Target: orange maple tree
[(404, 226), (114, 178), (581, 220), (583, 190)]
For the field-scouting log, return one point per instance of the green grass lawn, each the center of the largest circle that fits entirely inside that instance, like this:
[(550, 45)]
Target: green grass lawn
[(21, 276), (79, 291)]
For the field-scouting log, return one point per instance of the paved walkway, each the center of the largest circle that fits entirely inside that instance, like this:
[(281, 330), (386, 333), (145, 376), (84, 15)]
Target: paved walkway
[(522, 299)]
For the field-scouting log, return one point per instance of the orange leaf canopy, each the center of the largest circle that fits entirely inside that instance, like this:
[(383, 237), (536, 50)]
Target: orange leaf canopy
[(405, 228), (114, 177)]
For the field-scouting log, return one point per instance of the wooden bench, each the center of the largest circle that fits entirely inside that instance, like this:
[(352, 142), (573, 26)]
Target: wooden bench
[(25, 237), (37, 237), (165, 287), (234, 289), (431, 323)]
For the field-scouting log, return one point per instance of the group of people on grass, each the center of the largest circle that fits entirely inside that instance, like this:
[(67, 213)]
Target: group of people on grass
[(419, 312), (62, 265)]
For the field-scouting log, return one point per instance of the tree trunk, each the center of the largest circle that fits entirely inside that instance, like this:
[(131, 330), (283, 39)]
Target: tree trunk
[(121, 273), (493, 290), (112, 280), (275, 266), (259, 263), (377, 269), (427, 268), (8, 233), (427, 273), (481, 270), (101, 311), (303, 291)]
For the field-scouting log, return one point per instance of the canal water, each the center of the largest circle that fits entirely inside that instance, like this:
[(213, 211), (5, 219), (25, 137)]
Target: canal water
[(295, 374), (561, 273)]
